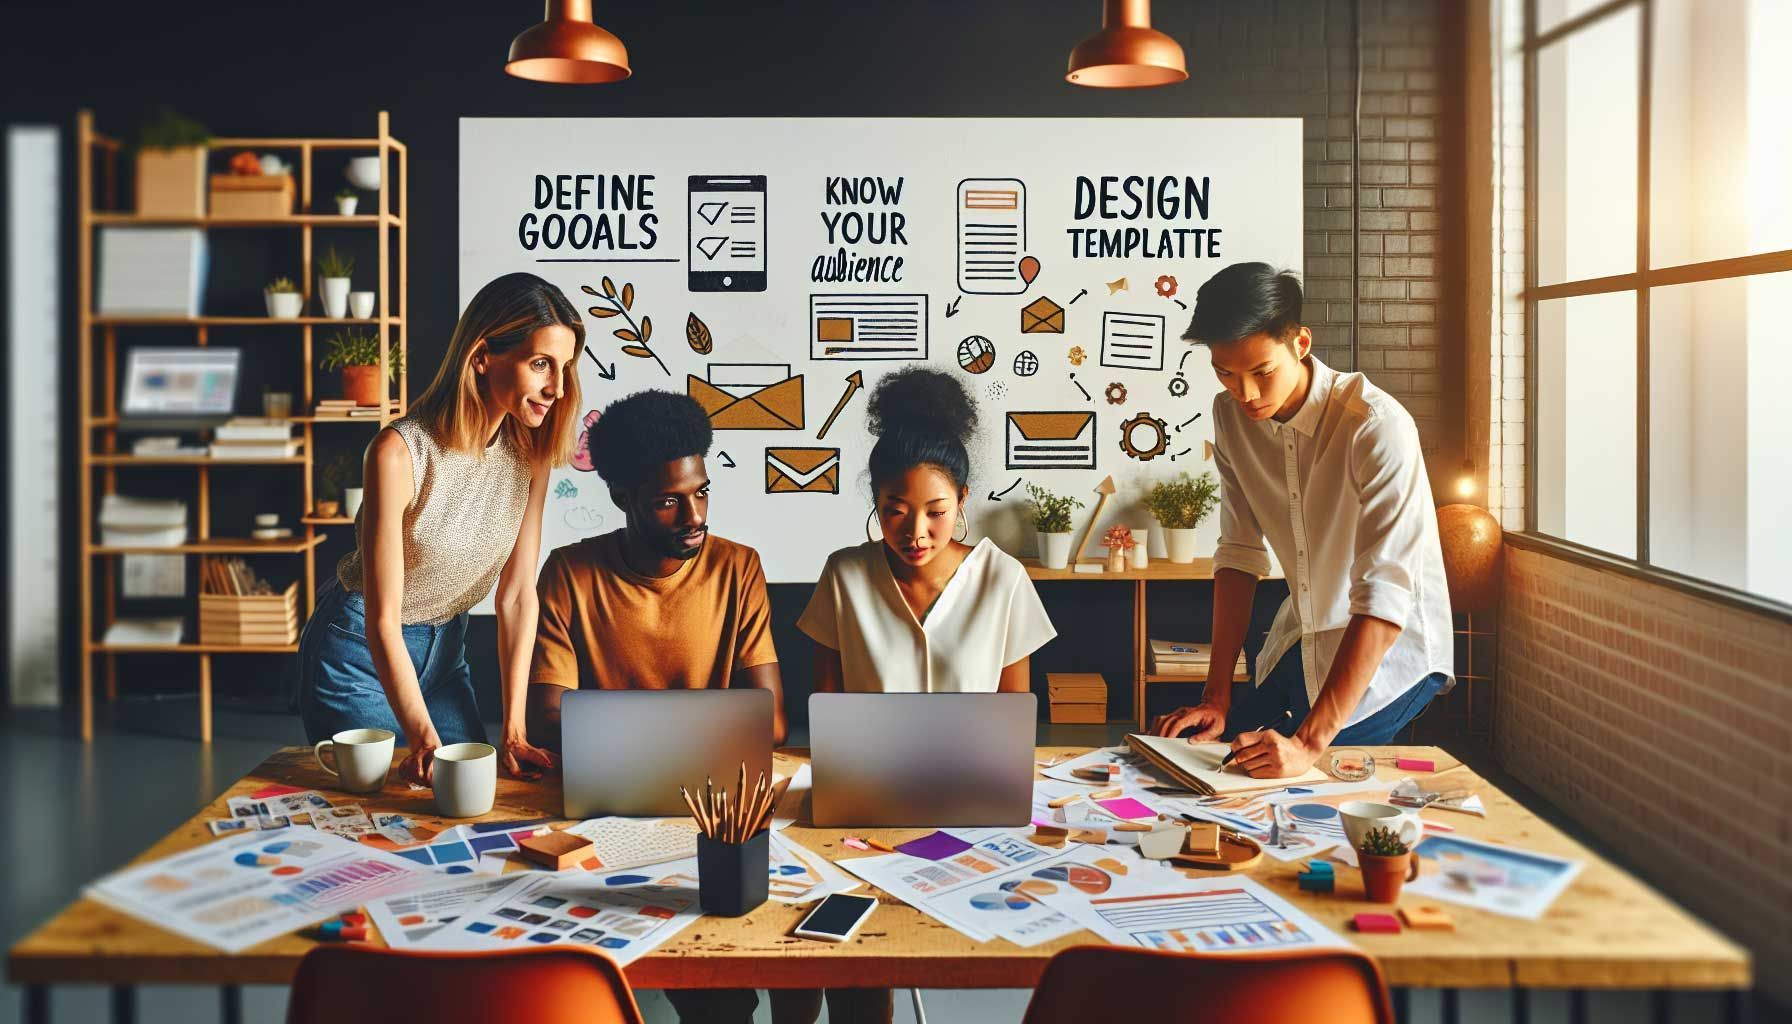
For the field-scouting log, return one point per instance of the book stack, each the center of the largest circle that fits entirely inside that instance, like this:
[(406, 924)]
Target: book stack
[(1181, 658), (341, 407), (252, 437), (142, 522), (237, 608), (1079, 698)]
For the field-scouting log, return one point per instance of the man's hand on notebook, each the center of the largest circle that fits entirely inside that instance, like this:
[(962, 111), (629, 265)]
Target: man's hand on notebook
[(1268, 754), (1206, 719)]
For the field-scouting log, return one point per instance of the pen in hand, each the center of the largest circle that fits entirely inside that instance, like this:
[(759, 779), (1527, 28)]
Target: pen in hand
[(1278, 720)]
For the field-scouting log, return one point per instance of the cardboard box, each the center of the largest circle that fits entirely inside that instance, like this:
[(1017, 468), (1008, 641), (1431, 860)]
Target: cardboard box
[(1079, 714), (251, 619), (251, 196), (171, 182)]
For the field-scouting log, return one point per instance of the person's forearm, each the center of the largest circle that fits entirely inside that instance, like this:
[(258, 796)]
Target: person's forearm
[(517, 619), (543, 702), (398, 677), (1233, 594), (1366, 641)]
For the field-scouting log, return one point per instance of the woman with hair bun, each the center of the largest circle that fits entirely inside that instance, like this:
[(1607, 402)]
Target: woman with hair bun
[(915, 609)]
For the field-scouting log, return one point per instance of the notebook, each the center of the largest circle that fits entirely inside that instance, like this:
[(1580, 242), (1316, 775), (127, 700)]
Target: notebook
[(1196, 766)]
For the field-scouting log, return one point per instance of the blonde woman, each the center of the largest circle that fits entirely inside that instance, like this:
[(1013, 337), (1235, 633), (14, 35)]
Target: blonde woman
[(454, 495)]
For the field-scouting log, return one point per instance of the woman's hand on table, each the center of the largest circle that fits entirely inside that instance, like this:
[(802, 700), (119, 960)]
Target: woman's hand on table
[(419, 764), (523, 759)]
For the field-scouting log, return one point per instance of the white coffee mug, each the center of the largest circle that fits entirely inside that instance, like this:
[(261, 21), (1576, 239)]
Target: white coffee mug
[(361, 304), (1359, 816), (362, 756), (465, 779)]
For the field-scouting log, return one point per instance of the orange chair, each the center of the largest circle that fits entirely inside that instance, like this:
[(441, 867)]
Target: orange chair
[(1332, 987), (356, 984)]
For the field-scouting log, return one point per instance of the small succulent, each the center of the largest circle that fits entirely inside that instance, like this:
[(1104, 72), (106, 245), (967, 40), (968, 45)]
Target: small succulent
[(1383, 842), (345, 193), (334, 264), (282, 285)]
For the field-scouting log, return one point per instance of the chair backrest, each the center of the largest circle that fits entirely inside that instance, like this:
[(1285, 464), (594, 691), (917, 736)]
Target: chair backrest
[(355, 984), (1089, 983)]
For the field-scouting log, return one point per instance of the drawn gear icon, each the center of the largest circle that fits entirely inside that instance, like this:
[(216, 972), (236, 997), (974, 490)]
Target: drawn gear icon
[(1157, 447), (1178, 386), (1116, 393), (1166, 286)]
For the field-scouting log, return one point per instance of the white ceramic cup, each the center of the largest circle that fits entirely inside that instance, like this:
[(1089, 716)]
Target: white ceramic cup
[(1359, 816), (362, 756), (465, 779), (361, 305)]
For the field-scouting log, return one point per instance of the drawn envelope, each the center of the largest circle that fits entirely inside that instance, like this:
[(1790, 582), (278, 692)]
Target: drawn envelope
[(749, 396), (802, 471), (1042, 316), (1050, 440)]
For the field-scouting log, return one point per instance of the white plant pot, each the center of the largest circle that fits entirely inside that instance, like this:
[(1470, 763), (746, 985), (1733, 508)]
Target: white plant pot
[(284, 305), (363, 172), (1054, 550), (1138, 556), (346, 207), (351, 501), (361, 305), (335, 295), (1180, 544)]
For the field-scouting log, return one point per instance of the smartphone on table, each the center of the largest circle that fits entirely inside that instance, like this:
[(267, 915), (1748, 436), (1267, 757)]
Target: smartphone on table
[(836, 918)]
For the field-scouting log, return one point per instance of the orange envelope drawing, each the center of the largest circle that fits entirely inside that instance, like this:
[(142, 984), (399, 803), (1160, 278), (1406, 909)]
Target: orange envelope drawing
[(749, 396), (1050, 440), (802, 471), (1042, 316)]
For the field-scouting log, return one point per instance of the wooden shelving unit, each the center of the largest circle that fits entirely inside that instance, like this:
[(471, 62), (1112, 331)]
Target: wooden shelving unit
[(100, 457)]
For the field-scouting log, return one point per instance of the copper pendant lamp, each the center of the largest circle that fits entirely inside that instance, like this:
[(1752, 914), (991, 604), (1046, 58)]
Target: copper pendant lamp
[(568, 49), (1127, 53)]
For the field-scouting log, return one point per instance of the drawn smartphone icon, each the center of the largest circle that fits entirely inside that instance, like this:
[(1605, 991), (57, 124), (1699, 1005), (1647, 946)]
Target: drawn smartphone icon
[(992, 235), (726, 233)]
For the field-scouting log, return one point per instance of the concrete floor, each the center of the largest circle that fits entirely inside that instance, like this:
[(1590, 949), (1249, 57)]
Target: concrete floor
[(75, 811)]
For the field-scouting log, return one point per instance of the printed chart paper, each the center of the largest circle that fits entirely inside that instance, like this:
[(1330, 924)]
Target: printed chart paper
[(623, 914), (406, 921), (1517, 883), (931, 885)]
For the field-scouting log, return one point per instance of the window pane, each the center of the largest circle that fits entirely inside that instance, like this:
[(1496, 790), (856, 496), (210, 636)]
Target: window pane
[(1720, 139), (1586, 151), (1551, 13), (1586, 420), (1720, 440)]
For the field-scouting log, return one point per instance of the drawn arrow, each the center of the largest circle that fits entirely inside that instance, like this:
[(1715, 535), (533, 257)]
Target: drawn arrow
[(1079, 387), (997, 495), (1183, 365), (727, 461), (1077, 296), (853, 383), (952, 307), (606, 372), (1185, 423), (1184, 451)]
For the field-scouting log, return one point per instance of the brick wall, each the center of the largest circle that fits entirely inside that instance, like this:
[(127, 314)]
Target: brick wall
[(1663, 723)]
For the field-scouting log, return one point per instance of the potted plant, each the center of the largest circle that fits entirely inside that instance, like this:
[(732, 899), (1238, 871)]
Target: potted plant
[(336, 473), (345, 201), (283, 298), (1180, 505), (1118, 540), (1387, 864), (171, 152), (1051, 517), (357, 355), (333, 270)]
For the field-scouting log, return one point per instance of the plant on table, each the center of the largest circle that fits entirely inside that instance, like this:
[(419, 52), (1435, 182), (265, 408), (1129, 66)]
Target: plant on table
[(1387, 864)]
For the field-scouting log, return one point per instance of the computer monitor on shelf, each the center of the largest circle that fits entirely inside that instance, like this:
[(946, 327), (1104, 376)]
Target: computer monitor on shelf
[(191, 388)]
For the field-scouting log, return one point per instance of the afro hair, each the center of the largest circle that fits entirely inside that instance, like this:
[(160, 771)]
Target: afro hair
[(647, 429)]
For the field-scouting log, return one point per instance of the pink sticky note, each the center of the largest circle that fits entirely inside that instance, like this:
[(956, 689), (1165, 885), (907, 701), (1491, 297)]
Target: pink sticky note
[(1128, 808), (1376, 923), (1414, 764), (855, 842), (273, 791)]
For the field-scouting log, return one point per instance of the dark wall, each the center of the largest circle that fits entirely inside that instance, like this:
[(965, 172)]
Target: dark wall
[(317, 69)]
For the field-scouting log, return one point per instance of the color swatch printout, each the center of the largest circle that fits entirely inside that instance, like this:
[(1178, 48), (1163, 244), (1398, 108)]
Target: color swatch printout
[(977, 891), (410, 919), (245, 889), (622, 914)]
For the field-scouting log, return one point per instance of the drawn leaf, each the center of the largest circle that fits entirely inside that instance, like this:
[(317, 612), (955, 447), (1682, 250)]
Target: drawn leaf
[(587, 289), (646, 328), (625, 334), (609, 288), (604, 312), (628, 296), (697, 333), (638, 351)]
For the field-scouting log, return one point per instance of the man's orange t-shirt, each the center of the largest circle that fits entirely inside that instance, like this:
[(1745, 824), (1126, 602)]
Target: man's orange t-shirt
[(604, 626)]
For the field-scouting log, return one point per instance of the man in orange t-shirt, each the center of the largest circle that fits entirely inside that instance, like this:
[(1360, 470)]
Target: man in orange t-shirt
[(659, 604)]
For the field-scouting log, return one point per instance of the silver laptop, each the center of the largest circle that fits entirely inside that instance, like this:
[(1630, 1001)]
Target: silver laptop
[(627, 751), (916, 759)]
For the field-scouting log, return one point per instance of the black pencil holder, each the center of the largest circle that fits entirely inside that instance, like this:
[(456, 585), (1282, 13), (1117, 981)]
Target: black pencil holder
[(732, 878)]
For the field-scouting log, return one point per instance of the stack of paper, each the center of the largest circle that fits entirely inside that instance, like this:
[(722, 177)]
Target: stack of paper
[(151, 271), (157, 632), (248, 437), (142, 522)]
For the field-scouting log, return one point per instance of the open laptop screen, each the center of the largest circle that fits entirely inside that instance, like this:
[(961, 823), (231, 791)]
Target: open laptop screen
[(181, 381)]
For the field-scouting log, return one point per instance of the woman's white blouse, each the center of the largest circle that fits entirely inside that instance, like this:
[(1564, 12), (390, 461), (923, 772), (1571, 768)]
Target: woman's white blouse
[(987, 618)]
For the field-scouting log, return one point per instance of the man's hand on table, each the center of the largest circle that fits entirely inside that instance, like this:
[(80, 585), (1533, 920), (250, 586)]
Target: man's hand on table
[(1208, 721)]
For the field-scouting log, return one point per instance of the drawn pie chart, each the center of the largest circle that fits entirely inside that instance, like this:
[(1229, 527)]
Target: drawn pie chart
[(280, 847), (1077, 876), (251, 859), (1000, 901), (1313, 812), (1033, 887), (976, 354)]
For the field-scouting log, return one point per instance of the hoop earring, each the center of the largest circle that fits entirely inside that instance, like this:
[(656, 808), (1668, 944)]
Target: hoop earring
[(964, 520), (869, 516)]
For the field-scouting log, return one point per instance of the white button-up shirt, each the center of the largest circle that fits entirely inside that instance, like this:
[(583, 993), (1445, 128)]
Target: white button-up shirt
[(1340, 492)]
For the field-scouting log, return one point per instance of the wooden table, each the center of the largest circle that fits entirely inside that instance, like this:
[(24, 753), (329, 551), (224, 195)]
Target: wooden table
[(1157, 571), (1607, 931)]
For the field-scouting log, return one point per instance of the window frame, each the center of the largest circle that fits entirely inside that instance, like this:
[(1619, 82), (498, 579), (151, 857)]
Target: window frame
[(1640, 282)]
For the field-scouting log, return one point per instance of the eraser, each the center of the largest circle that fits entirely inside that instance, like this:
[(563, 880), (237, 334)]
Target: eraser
[(1415, 764), (1386, 923), (1311, 882), (556, 851), (1427, 916), (1320, 867)]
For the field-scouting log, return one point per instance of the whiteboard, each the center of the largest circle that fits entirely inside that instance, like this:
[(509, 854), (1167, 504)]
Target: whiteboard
[(1050, 263)]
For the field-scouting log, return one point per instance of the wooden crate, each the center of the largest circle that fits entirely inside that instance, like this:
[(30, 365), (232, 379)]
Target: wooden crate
[(251, 196), (1077, 697), (171, 182), (255, 619)]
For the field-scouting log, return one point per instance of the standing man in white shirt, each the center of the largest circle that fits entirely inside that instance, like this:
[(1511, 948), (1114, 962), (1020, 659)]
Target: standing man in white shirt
[(1324, 467)]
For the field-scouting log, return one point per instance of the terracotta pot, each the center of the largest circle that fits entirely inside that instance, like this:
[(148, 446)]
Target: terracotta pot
[(325, 509), (361, 384), (1384, 876)]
